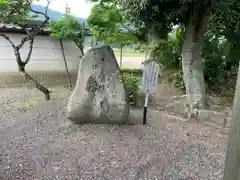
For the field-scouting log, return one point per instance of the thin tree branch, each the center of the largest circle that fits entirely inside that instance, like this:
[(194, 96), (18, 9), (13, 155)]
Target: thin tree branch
[(25, 39), (8, 39), (38, 12), (79, 45), (134, 33), (131, 31), (16, 51), (65, 62), (32, 33), (46, 9), (29, 52)]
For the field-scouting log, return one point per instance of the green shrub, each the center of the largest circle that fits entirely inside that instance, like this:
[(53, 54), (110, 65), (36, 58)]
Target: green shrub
[(131, 83), (177, 80), (135, 72), (220, 59)]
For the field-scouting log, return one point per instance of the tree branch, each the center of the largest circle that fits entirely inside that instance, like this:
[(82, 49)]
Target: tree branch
[(8, 39), (38, 27), (134, 33), (16, 51), (32, 33), (29, 52), (131, 31), (46, 9), (30, 37), (79, 45)]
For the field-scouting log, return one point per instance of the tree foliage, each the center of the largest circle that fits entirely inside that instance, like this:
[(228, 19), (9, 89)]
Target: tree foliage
[(165, 14), (220, 61), (68, 27), (14, 11), (107, 24)]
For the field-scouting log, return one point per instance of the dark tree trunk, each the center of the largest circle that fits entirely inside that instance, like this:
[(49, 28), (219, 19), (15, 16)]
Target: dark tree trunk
[(80, 46), (232, 164), (22, 64), (121, 55), (36, 84), (32, 32), (66, 66)]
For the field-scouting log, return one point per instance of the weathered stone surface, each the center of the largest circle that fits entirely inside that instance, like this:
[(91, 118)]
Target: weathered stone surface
[(99, 95)]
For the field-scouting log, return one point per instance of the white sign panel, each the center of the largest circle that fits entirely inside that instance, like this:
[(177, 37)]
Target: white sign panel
[(150, 75)]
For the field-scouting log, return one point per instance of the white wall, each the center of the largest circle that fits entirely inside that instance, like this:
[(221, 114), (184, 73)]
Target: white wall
[(46, 55)]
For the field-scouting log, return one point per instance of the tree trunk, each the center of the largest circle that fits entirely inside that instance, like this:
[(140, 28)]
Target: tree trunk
[(192, 63), (30, 37), (66, 66), (80, 46), (121, 55), (37, 85), (232, 165)]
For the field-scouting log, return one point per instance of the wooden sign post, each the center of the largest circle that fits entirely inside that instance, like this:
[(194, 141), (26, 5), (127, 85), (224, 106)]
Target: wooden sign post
[(149, 82)]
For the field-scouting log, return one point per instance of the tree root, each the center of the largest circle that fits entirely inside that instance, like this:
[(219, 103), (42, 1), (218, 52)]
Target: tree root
[(193, 111)]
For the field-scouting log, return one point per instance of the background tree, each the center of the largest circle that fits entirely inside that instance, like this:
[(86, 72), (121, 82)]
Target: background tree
[(108, 26), (165, 36), (68, 27), (192, 16), (16, 12)]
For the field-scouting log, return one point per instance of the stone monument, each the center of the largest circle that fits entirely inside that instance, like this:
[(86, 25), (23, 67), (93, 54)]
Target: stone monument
[(99, 96)]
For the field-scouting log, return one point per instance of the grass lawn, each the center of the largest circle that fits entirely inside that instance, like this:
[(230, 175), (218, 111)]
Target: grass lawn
[(130, 54)]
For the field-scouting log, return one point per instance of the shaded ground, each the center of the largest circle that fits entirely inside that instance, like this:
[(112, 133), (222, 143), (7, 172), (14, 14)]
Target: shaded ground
[(40, 143)]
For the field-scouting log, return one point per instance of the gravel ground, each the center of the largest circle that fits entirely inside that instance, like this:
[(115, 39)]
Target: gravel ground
[(40, 143), (16, 101)]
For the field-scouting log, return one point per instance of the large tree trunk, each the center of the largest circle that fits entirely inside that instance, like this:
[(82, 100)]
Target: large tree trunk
[(192, 62), (232, 165)]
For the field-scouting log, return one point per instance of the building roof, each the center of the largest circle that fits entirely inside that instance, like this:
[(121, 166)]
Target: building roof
[(53, 15), (11, 28)]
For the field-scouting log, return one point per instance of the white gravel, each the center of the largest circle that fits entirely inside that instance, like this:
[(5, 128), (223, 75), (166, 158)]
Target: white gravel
[(42, 144)]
